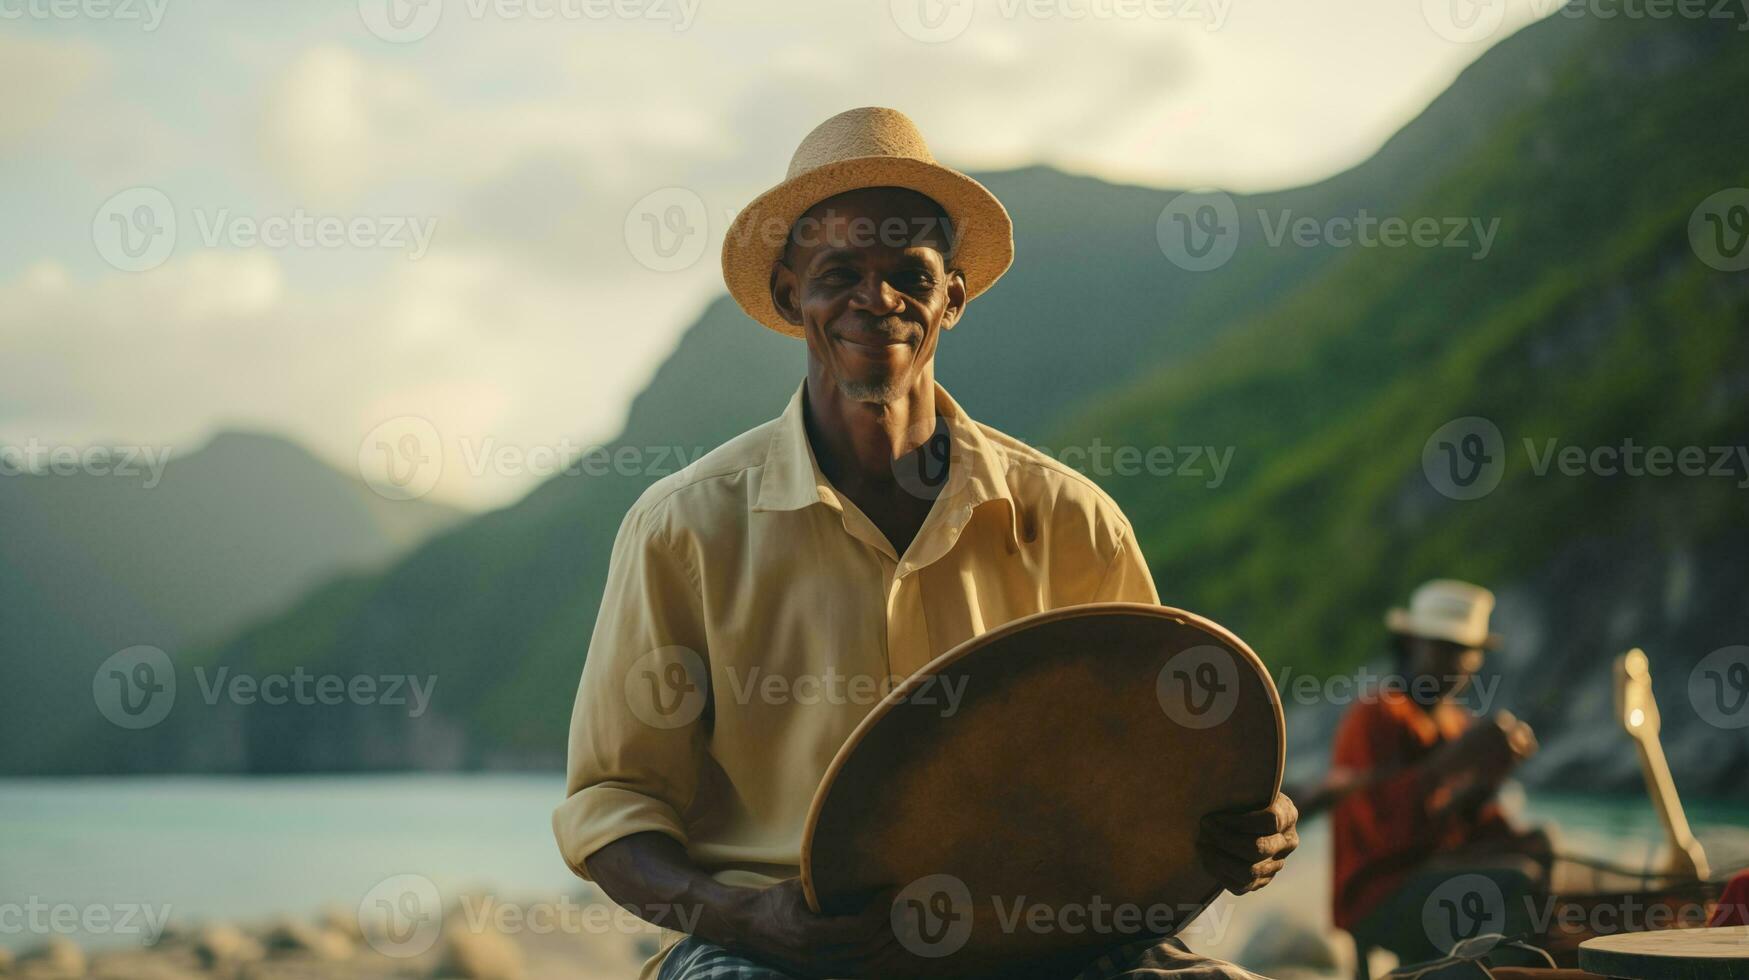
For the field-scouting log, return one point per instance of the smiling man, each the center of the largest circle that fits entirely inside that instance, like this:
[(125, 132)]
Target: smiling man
[(868, 529)]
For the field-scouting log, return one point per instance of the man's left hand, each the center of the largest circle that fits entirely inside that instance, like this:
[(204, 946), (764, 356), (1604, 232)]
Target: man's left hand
[(1245, 850)]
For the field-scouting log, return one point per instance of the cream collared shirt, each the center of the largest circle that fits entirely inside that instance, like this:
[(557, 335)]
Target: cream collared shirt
[(753, 616)]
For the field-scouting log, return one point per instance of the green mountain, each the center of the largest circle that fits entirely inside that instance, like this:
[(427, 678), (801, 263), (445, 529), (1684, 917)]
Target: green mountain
[(1591, 322), (95, 563), (1325, 369)]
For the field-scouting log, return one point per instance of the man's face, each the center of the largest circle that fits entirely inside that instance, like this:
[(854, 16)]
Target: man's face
[(1452, 663), (865, 276)]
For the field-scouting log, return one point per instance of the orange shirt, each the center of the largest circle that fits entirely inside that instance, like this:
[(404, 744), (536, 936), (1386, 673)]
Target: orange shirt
[(1383, 832)]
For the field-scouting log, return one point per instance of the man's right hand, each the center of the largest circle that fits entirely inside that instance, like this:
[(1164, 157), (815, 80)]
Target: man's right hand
[(650, 874), (1519, 737), (1489, 749), (774, 925)]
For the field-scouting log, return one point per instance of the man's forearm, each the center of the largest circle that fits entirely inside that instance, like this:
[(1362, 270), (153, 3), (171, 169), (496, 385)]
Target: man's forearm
[(651, 875)]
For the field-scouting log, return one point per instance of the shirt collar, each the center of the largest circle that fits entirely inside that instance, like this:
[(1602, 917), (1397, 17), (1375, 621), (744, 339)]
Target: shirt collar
[(977, 474)]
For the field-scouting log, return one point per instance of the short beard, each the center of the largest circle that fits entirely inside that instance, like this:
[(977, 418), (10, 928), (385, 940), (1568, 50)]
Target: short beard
[(873, 392)]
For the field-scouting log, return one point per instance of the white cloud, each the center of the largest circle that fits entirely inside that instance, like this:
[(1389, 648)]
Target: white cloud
[(190, 295), (40, 76), (333, 124)]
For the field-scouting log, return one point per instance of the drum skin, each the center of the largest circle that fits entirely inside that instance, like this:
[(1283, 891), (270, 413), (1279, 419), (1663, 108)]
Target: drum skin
[(1066, 782)]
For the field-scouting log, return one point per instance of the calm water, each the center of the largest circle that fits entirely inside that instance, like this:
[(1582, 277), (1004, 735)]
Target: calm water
[(247, 849)]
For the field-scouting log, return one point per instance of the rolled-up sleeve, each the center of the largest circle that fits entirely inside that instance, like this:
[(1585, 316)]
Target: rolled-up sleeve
[(638, 726), (1127, 578)]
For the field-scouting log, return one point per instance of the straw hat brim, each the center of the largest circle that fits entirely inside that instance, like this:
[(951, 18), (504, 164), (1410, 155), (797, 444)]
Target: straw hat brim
[(985, 234), (1402, 621)]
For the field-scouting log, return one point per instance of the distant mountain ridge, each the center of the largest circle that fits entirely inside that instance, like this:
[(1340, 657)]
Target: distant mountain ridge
[(94, 562)]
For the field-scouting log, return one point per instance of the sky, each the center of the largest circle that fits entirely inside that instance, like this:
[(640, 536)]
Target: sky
[(485, 222)]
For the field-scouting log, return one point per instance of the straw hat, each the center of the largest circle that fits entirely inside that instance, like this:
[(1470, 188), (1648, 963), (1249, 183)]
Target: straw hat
[(1445, 609), (868, 147)]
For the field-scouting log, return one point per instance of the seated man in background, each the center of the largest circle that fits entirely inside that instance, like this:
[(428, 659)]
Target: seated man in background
[(1420, 772)]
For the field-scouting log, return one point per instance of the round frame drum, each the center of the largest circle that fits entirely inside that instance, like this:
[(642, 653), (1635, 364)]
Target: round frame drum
[(1034, 795)]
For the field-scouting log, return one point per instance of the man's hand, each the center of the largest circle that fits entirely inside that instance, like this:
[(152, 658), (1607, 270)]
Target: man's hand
[(1244, 851), (775, 926), (1519, 737), (1491, 746), (650, 874)]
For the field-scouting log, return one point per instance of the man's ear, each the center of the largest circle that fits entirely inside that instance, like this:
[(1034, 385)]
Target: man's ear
[(786, 292), (956, 299)]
